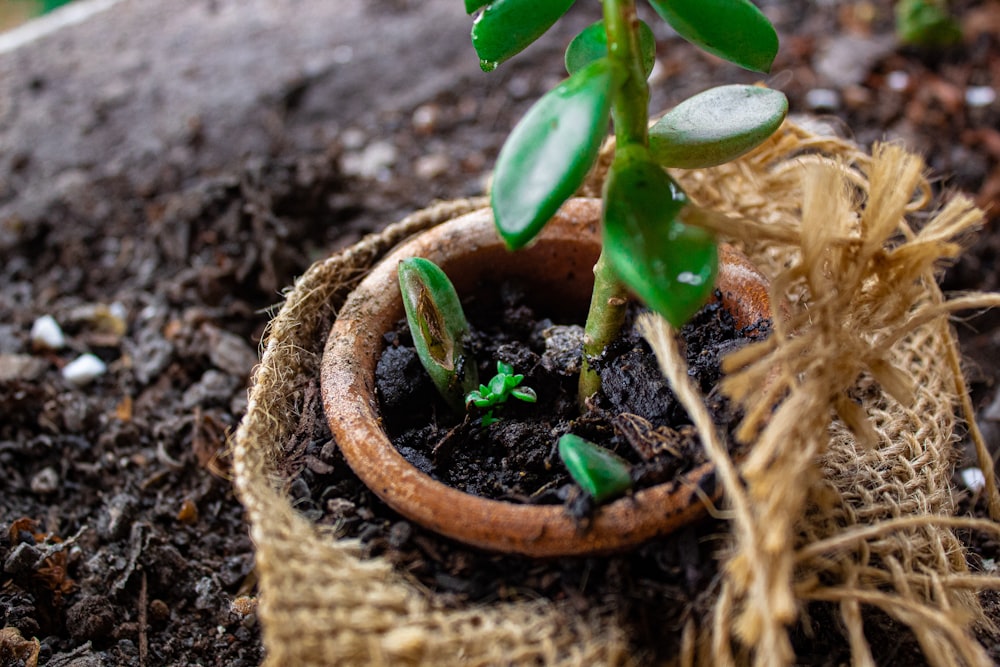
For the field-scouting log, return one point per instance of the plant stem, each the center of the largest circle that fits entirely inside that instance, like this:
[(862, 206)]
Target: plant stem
[(604, 321), (630, 109)]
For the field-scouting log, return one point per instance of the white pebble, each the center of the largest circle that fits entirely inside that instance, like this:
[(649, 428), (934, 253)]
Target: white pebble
[(973, 479), (980, 96), (47, 334), (897, 80), (372, 162), (822, 98), (84, 369)]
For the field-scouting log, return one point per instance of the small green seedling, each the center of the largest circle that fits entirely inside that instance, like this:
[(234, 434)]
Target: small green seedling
[(438, 326), (504, 385), (649, 247), (600, 472)]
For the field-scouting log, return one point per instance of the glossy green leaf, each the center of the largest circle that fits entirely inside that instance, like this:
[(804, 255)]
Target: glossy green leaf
[(507, 27), (473, 5), (437, 325), (600, 472), (669, 265), (716, 126), (731, 29), (549, 153), (592, 44), (526, 394)]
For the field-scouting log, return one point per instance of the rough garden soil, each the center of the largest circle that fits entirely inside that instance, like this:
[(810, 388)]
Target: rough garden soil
[(157, 225)]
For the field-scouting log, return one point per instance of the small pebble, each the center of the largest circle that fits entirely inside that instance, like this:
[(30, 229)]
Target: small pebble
[(21, 367), (425, 118), (980, 96), (973, 479), (45, 481), (428, 167), (519, 87), (373, 162), (84, 369), (897, 80), (819, 99), (46, 334)]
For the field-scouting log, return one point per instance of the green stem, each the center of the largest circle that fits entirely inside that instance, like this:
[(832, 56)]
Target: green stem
[(630, 107), (630, 110), (604, 321)]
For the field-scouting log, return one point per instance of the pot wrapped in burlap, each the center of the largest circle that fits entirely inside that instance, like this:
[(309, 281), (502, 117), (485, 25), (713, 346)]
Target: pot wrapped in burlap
[(844, 499)]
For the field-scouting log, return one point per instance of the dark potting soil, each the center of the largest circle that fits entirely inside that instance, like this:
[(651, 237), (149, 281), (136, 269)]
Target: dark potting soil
[(515, 458)]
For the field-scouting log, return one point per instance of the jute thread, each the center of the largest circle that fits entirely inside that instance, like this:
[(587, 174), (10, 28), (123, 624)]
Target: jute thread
[(844, 500)]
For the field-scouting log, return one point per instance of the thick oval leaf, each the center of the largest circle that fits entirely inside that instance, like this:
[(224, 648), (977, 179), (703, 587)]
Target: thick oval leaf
[(549, 153), (438, 326), (592, 44), (669, 265), (731, 29), (599, 471), (473, 5), (507, 27), (716, 126)]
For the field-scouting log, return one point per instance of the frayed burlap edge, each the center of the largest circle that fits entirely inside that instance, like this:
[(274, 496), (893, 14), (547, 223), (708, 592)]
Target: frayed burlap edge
[(321, 604)]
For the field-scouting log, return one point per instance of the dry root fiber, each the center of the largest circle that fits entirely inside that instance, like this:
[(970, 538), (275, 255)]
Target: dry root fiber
[(845, 498)]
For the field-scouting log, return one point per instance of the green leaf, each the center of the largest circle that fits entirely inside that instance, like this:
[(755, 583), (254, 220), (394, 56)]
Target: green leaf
[(526, 394), (592, 44), (716, 126), (598, 471), (549, 153), (507, 27), (438, 325), (731, 29), (669, 265), (498, 386), (926, 23), (504, 369), (473, 5)]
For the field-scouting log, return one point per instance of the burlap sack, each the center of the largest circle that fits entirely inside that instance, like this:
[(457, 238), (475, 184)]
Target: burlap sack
[(845, 498)]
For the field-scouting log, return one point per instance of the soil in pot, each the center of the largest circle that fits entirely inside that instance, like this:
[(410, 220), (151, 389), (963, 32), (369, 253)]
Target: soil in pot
[(514, 459)]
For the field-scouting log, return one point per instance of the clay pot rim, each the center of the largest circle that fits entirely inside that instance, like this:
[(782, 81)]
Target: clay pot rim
[(347, 381)]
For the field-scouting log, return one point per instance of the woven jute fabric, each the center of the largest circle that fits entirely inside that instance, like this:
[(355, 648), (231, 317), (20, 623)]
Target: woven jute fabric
[(850, 404)]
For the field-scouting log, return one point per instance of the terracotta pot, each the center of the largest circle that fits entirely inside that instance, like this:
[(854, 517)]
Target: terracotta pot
[(562, 260)]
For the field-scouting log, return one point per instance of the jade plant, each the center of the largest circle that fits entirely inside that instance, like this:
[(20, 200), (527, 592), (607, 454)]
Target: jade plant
[(650, 248), (651, 244)]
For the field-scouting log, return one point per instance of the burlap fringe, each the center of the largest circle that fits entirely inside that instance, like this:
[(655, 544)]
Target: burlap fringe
[(844, 499)]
